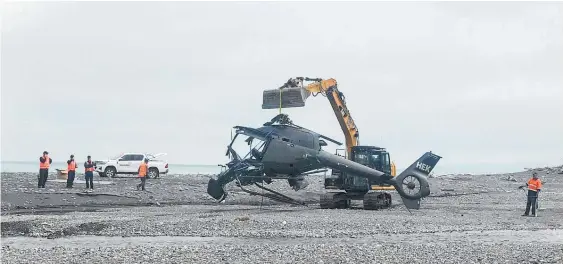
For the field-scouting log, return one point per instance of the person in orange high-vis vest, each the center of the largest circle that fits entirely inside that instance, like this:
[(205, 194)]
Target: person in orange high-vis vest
[(89, 168), (534, 187), (71, 171), (143, 168), (44, 164)]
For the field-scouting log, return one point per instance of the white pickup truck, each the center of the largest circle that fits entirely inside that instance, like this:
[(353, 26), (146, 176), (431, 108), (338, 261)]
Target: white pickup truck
[(128, 163)]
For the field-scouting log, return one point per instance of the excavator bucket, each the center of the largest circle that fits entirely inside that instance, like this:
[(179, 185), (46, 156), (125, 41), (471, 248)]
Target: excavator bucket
[(290, 97)]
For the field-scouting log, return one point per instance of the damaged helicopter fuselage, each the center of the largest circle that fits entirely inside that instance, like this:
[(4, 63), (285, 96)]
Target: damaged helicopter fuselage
[(282, 150), (275, 152)]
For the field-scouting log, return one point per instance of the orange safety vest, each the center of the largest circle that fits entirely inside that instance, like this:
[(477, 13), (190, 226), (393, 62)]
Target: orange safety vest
[(44, 165), (534, 185), (91, 168), (71, 166), (143, 170)]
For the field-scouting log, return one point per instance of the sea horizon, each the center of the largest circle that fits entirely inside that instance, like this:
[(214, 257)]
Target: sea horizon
[(178, 168)]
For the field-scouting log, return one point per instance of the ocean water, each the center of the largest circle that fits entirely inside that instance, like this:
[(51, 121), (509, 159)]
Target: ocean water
[(26, 166)]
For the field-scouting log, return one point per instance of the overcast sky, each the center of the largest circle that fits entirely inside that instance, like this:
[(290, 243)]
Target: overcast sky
[(478, 83)]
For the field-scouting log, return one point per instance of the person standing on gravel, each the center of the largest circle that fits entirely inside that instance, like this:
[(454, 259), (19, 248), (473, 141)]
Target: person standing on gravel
[(71, 171), (143, 174), (89, 167), (534, 187), (44, 164)]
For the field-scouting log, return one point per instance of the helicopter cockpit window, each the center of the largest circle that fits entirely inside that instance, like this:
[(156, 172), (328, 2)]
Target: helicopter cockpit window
[(247, 146)]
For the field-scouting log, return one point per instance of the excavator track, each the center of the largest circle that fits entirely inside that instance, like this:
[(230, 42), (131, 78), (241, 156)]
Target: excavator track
[(377, 200), (334, 200)]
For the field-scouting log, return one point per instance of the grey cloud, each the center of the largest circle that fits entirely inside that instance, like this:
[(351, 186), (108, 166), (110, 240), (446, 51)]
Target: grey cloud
[(474, 82)]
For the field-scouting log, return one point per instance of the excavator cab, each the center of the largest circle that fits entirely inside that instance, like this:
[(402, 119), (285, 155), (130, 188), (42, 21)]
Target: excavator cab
[(370, 156), (373, 157)]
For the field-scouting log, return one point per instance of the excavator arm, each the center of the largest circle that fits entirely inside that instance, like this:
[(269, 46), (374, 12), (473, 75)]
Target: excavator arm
[(329, 88), (293, 94)]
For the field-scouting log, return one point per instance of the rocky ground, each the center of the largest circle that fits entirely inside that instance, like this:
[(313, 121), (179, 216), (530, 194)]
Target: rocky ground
[(467, 219)]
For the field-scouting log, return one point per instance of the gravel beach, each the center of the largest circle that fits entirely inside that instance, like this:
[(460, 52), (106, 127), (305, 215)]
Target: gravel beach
[(467, 219)]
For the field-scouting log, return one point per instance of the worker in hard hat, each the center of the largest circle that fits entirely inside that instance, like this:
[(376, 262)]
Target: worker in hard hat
[(71, 171), (534, 187)]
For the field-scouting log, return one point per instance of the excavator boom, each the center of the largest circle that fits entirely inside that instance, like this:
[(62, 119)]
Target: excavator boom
[(294, 94)]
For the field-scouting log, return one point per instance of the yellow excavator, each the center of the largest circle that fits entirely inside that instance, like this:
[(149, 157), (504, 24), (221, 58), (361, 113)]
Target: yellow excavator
[(294, 93)]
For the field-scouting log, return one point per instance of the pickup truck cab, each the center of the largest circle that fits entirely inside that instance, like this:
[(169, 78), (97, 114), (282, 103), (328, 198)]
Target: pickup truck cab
[(128, 163)]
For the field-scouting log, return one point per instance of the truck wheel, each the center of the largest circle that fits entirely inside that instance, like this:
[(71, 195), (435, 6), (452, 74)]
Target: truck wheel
[(153, 173), (110, 172)]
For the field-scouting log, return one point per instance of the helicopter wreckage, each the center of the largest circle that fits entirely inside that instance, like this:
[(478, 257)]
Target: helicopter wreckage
[(282, 150)]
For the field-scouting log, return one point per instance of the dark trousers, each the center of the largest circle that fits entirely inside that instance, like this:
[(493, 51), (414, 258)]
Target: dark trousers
[(532, 198), (70, 179), (89, 179), (142, 184), (43, 175)]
